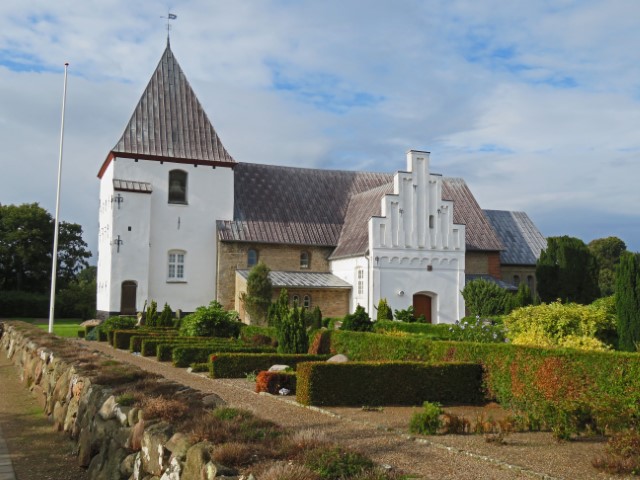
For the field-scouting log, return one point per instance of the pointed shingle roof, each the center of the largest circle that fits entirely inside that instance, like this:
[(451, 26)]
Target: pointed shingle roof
[(169, 122)]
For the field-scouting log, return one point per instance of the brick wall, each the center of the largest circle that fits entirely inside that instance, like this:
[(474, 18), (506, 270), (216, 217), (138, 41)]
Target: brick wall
[(525, 273), (494, 264)]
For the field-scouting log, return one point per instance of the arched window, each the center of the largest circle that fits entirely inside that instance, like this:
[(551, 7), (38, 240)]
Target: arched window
[(304, 259), (516, 280), (177, 186), (175, 270), (252, 257), (295, 300), (306, 301), (530, 282)]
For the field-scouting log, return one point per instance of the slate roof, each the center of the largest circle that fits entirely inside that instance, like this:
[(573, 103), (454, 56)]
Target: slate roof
[(522, 240), (131, 186), (291, 205), (169, 122), (302, 279)]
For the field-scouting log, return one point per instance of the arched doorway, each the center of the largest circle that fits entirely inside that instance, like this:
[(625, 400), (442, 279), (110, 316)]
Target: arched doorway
[(128, 298), (423, 305)]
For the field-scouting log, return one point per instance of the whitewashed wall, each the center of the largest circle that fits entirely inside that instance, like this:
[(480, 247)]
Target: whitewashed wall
[(165, 227), (346, 269)]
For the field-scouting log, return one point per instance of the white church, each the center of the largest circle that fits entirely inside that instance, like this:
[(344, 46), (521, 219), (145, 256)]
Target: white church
[(183, 222)]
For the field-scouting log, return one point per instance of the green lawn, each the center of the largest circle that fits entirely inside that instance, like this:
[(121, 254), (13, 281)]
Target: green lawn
[(63, 327)]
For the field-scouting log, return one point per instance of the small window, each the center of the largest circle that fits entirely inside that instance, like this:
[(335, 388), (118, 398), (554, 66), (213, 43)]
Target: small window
[(304, 260), (252, 257), (295, 300), (176, 265), (306, 301), (530, 282), (432, 221), (177, 186), (360, 280), (516, 280)]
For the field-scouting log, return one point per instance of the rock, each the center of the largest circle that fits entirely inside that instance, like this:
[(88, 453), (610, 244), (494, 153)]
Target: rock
[(197, 457), (214, 470), (128, 464), (132, 416), (178, 445), (85, 452), (154, 455), (213, 401), (135, 440), (72, 414), (107, 410), (173, 471), (106, 465), (91, 323), (340, 358), (278, 368)]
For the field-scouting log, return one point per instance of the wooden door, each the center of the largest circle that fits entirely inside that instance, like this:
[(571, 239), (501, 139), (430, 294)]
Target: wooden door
[(128, 298), (422, 306)]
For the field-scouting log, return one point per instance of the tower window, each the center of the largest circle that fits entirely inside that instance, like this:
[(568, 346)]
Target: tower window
[(178, 186)]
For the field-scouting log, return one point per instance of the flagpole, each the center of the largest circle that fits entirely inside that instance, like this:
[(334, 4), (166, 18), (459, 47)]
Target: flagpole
[(54, 261)]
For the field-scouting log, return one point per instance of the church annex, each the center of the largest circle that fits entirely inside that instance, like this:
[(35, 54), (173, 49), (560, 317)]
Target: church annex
[(182, 222)]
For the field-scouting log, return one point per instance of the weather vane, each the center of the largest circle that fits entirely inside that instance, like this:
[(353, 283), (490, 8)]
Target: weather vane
[(170, 16)]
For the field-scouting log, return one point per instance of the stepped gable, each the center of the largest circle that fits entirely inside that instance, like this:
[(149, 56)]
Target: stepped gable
[(290, 205), (169, 123), (522, 240)]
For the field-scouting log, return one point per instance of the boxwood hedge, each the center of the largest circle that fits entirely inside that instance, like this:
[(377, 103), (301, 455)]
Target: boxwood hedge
[(237, 365), (183, 356)]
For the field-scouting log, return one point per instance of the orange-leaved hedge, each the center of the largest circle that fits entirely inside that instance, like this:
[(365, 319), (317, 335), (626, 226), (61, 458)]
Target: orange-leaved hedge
[(388, 383)]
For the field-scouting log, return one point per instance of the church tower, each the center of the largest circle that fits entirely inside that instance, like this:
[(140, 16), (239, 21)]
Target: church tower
[(162, 187)]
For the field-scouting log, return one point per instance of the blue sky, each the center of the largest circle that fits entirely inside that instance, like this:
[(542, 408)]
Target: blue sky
[(535, 104)]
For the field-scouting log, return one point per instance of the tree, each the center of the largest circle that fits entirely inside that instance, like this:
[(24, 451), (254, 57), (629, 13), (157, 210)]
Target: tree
[(78, 299), (279, 309), (607, 252), (524, 297), (628, 302), (358, 321), (26, 244), (257, 299), (484, 298), (568, 271), (292, 332)]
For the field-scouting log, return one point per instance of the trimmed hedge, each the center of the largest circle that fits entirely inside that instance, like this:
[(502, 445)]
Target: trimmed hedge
[(392, 383), (185, 355), (557, 388), (249, 331), (237, 365), (438, 331), (149, 345), (164, 351), (272, 382)]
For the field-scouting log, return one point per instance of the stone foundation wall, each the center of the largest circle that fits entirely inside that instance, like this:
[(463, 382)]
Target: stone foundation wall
[(112, 441)]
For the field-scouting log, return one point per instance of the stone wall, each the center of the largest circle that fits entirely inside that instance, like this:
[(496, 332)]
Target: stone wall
[(113, 442)]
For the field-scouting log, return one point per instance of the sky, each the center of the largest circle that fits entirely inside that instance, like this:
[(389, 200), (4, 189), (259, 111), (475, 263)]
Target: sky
[(536, 104)]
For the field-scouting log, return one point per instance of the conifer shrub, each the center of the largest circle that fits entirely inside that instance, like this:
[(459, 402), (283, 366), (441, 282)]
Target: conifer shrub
[(257, 298), (357, 321), (166, 317), (628, 302), (151, 316), (485, 299), (279, 309), (292, 332), (384, 310)]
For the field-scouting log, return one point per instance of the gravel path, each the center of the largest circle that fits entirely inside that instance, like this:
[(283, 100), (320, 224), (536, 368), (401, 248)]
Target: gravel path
[(442, 457)]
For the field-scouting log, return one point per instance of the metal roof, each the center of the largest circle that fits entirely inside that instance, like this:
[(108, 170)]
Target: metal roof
[(302, 279), (131, 186), (522, 240), (169, 122)]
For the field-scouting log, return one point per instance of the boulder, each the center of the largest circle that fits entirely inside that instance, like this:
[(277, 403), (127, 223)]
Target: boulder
[(91, 323), (213, 401), (279, 368), (340, 358), (178, 445), (72, 414), (128, 465), (107, 410), (154, 454), (173, 470), (197, 457), (135, 440), (59, 415)]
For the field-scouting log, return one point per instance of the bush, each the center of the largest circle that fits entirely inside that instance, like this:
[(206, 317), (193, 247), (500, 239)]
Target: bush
[(358, 321), (183, 356), (237, 365), (332, 462), (476, 329), (555, 324), (211, 321), (166, 317), (24, 304), (122, 338), (272, 382), (438, 331), (426, 422), (257, 298), (151, 315), (373, 383), (408, 315), (247, 332), (485, 299), (622, 454), (384, 310), (292, 333), (116, 323)]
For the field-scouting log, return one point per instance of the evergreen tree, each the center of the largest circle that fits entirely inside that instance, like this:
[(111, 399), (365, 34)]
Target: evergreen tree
[(384, 310), (316, 318), (567, 270), (279, 309), (151, 318), (523, 298), (357, 321), (484, 298), (166, 317), (628, 302), (258, 296), (607, 252), (292, 333)]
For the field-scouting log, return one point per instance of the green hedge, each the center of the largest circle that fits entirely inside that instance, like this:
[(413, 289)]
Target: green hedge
[(391, 383), (135, 342), (237, 365), (149, 345), (14, 303), (164, 351), (249, 331), (185, 355), (434, 331), (553, 387)]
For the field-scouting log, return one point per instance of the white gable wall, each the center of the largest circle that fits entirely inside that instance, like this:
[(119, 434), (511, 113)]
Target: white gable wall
[(161, 227), (415, 248), (347, 270)]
